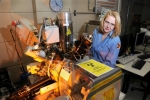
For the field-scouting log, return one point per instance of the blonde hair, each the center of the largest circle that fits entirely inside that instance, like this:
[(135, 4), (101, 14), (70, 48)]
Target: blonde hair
[(117, 28)]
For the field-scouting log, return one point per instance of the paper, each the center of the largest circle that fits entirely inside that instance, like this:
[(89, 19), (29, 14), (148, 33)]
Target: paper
[(65, 74), (120, 65), (95, 67)]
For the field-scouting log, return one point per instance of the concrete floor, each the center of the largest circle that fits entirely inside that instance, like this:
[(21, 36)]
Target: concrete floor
[(135, 95)]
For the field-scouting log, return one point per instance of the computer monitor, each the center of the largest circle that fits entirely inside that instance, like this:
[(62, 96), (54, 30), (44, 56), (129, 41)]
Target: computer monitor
[(131, 41), (139, 40)]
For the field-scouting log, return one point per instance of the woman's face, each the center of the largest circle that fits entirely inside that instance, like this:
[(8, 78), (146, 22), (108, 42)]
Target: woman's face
[(109, 24)]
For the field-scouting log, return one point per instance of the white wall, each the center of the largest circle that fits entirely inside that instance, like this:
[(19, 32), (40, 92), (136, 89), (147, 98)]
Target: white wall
[(34, 11), (12, 10)]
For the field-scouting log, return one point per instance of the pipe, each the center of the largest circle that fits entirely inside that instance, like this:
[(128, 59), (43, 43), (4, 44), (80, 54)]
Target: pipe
[(81, 13), (129, 2), (89, 6)]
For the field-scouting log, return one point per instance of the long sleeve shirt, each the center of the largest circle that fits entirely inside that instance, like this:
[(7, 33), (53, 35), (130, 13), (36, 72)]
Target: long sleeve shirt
[(105, 51)]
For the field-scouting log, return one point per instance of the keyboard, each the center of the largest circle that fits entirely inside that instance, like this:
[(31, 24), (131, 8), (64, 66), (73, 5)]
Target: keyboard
[(126, 59), (144, 56), (138, 64)]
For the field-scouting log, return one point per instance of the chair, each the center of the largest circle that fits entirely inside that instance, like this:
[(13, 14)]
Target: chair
[(146, 42), (145, 89)]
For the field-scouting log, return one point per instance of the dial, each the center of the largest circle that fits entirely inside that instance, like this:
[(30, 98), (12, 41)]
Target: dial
[(56, 5)]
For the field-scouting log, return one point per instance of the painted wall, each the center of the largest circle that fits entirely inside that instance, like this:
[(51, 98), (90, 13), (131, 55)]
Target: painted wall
[(145, 13), (34, 11), (12, 10), (130, 8)]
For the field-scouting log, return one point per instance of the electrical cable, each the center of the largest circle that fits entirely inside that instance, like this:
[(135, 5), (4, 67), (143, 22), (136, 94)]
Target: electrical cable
[(53, 54), (17, 50), (20, 48), (62, 62)]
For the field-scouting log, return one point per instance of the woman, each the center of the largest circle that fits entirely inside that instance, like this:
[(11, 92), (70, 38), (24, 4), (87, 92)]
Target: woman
[(106, 42)]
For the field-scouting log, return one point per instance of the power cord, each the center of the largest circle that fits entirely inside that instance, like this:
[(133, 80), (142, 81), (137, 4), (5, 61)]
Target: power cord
[(17, 51)]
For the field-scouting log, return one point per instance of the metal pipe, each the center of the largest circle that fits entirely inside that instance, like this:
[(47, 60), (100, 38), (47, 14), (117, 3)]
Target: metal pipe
[(129, 2), (89, 5), (34, 12), (81, 13), (66, 30)]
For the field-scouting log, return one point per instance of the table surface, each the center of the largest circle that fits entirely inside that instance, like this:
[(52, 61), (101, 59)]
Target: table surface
[(128, 67)]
